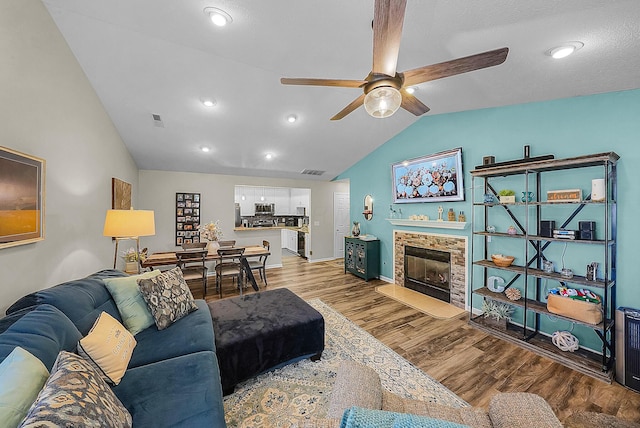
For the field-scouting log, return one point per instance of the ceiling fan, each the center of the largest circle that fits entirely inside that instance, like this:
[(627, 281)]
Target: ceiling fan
[(385, 88)]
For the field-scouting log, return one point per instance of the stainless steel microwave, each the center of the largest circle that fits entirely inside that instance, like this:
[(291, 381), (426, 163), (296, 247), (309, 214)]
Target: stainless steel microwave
[(265, 209)]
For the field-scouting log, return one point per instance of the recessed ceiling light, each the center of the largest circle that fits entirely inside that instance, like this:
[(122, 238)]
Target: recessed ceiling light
[(205, 149), (292, 118), (410, 89), (208, 102), (268, 156), (564, 50), (218, 16)]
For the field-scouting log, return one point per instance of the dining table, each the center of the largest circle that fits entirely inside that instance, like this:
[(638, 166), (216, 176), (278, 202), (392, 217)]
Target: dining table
[(169, 257)]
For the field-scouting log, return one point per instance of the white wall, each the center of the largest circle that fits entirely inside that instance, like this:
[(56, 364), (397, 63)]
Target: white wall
[(50, 110), (158, 189)]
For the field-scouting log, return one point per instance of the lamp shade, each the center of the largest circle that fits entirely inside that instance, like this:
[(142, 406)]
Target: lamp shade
[(382, 101), (129, 223)]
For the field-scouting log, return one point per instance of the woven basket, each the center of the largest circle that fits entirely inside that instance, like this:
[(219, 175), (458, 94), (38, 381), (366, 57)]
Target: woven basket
[(502, 260)]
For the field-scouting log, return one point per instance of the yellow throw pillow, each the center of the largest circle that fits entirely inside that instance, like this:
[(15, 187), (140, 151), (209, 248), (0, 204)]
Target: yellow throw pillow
[(108, 346)]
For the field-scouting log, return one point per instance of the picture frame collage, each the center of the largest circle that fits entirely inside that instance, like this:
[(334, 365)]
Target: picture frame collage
[(187, 218)]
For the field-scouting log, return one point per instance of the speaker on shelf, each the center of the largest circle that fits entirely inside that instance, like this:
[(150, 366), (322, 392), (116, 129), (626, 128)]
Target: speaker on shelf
[(587, 230), (488, 160), (546, 228)]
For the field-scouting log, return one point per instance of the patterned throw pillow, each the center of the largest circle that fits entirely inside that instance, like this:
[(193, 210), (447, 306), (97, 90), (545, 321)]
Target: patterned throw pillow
[(76, 396), (168, 297), (108, 347)]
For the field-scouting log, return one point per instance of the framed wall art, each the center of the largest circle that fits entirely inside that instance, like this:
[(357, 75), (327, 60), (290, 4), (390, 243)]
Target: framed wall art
[(187, 218), (433, 178), (21, 198), (120, 194)]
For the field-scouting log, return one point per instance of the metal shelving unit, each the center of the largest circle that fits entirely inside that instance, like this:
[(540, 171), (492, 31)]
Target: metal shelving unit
[(530, 274)]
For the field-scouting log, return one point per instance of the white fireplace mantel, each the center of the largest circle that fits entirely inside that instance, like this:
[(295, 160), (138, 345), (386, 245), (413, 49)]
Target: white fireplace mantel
[(429, 223)]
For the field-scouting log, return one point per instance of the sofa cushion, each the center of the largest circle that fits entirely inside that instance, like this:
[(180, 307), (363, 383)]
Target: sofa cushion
[(108, 347), (521, 409), (168, 297), (189, 334), (21, 378), (43, 332), (178, 392), (76, 395), (131, 305), (81, 300)]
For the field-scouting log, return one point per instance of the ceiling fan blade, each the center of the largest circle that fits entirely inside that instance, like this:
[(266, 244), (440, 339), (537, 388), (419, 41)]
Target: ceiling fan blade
[(351, 107), (387, 31), (412, 104), (323, 82), (455, 66)]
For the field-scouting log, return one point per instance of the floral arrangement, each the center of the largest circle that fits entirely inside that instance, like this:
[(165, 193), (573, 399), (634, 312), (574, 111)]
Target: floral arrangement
[(130, 255), (210, 231)]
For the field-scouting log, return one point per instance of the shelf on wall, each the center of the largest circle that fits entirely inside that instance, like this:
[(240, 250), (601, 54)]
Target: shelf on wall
[(429, 223)]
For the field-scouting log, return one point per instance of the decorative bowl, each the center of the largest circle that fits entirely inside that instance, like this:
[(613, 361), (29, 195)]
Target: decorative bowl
[(502, 260)]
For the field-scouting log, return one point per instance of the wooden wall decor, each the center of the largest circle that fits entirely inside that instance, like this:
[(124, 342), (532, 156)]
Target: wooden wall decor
[(21, 198), (120, 194)]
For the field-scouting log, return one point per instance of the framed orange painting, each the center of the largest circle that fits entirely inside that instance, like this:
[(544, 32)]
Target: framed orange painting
[(21, 198)]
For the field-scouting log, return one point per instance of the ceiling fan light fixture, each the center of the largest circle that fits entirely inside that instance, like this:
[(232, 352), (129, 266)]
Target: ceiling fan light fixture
[(219, 17), (382, 101), (565, 50)]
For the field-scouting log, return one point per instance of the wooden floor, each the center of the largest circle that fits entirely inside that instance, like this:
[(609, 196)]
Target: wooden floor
[(472, 364)]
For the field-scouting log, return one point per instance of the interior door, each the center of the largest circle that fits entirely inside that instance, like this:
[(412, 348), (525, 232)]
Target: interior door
[(340, 222)]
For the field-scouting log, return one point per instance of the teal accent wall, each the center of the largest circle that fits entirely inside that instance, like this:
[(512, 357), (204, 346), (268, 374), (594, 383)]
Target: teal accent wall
[(565, 128)]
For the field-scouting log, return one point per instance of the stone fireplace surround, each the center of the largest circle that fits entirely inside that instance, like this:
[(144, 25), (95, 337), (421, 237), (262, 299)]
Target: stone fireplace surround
[(456, 245)]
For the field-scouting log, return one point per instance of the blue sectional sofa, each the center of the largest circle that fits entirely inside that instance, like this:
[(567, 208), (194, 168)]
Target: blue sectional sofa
[(173, 377)]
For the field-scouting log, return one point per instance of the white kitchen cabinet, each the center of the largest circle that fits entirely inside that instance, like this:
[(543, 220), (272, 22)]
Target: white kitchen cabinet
[(246, 199), (282, 200), (300, 198), (307, 245), (290, 240)]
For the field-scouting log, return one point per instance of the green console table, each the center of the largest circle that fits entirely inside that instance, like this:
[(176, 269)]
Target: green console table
[(362, 258)]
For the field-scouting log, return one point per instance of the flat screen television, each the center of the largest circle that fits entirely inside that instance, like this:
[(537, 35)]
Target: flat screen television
[(432, 178)]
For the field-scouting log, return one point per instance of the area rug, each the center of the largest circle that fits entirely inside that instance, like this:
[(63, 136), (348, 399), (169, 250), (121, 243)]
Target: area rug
[(418, 301), (290, 395)]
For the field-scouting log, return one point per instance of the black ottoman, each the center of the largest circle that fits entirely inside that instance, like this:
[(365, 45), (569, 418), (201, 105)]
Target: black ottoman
[(259, 332)]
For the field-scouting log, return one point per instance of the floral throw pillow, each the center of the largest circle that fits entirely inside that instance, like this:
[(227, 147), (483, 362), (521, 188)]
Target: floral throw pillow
[(168, 297), (76, 396)]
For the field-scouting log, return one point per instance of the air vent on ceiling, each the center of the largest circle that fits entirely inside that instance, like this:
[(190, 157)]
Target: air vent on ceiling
[(312, 172), (157, 120)]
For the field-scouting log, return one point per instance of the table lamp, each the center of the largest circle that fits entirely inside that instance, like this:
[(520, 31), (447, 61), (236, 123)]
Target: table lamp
[(129, 224)]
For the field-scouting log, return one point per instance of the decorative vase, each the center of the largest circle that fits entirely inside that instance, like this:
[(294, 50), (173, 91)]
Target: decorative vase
[(356, 229), (500, 324), (507, 199), (512, 230), (212, 247), (131, 267), (527, 197)]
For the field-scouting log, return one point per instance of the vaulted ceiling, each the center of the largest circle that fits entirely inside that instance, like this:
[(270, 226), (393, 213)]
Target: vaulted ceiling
[(163, 57)]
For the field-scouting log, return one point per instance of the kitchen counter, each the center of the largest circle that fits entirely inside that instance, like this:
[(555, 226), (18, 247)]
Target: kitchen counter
[(303, 229)]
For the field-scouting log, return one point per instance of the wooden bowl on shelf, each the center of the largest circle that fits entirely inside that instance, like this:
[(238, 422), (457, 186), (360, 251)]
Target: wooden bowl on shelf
[(501, 260)]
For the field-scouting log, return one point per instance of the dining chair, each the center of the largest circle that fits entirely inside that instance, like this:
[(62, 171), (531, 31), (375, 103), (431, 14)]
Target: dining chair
[(261, 263), (194, 245), (230, 265), (230, 243), (194, 269)]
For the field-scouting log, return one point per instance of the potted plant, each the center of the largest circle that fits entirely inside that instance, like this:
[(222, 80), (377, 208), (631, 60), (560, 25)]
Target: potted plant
[(507, 196), (496, 314), (130, 257)]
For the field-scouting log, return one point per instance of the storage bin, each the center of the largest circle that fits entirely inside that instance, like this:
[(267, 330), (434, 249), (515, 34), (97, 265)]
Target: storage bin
[(580, 310)]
